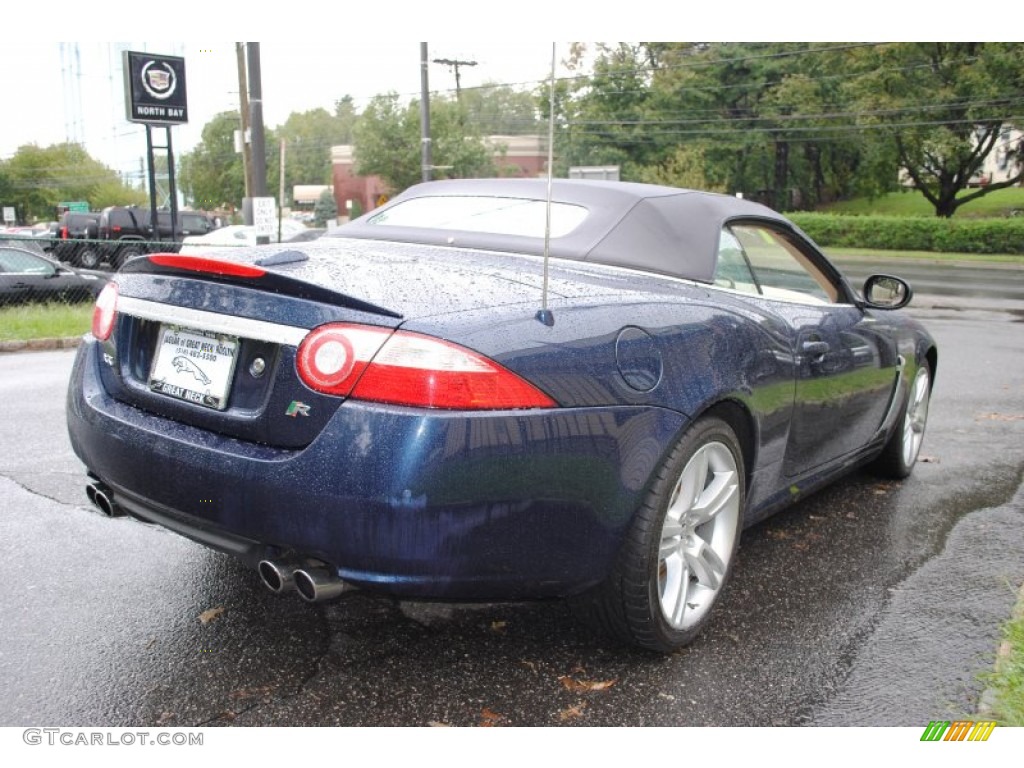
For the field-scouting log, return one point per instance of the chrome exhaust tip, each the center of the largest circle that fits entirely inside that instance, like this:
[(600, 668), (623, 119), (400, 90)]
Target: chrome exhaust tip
[(278, 575), (316, 585), (103, 499)]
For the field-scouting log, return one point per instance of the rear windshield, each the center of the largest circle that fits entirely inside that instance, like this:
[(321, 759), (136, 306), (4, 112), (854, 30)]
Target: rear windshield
[(497, 215)]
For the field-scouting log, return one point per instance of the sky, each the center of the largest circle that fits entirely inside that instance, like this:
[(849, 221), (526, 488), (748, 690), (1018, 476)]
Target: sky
[(315, 52), (76, 89)]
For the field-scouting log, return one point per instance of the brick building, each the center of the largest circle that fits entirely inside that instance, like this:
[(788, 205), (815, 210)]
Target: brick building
[(515, 156)]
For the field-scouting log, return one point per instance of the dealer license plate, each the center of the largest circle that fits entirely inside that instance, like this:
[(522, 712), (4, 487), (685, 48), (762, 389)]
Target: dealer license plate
[(194, 365)]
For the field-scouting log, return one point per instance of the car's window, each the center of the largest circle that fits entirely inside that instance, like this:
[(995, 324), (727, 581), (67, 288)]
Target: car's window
[(496, 215), (778, 268), (23, 263), (732, 269)]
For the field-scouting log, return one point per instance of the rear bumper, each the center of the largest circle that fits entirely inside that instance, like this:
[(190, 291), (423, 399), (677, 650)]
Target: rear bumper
[(500, 505)]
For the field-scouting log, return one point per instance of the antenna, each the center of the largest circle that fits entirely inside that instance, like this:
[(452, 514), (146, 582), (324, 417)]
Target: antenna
[(544, 314)]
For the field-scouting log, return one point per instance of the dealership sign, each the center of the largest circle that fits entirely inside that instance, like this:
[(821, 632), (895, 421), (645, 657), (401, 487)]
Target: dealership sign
[(154, 88)]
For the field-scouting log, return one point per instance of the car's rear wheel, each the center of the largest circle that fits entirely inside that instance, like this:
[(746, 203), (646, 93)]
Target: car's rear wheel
[(127, 253), (679, 552), (900, 453), (88, 257)]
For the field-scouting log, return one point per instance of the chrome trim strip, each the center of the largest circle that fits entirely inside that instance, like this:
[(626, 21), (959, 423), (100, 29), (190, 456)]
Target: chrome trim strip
[(242, 327)]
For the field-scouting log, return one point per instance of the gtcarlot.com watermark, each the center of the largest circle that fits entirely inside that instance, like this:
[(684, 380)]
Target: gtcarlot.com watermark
[(75, 737)]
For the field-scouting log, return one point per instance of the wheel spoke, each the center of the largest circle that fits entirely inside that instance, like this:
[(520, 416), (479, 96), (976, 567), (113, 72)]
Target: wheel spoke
[(671, 536), (707, 566), (674, 588), (715, 498)]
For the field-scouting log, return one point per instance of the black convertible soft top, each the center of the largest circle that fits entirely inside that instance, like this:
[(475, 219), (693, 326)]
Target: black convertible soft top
[(644, 226)]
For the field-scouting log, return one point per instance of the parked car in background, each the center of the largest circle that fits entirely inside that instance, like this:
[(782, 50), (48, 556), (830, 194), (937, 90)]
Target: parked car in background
[(127, 232), (241, 235), (422, 404), (75, 241), (26, 276)]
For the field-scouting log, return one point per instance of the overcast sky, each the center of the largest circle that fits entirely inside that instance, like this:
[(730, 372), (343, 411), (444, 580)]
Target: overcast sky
[(76, 90), (50, 93)]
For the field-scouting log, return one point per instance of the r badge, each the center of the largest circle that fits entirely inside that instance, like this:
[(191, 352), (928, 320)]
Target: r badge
[(297, 409)]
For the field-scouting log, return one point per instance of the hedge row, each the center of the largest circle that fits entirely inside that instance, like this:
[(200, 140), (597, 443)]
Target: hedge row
[(904, 233)]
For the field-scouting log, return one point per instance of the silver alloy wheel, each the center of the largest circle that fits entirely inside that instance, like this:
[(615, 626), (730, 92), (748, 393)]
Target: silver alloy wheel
[(698, 535), (916, 416)]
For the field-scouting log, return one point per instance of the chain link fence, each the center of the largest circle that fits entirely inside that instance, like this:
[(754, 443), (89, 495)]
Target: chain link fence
[(31, 275)]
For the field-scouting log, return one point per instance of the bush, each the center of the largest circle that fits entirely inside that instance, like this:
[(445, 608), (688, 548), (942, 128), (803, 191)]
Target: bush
[(905, 233)]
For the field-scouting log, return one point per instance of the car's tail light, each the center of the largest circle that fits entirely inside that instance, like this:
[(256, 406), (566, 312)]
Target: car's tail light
[(63, 233), (404, 368), (105, 312), (206, 265), (332, 357)]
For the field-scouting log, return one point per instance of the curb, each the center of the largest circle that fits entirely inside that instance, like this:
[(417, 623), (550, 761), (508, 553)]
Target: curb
[(40, 345)]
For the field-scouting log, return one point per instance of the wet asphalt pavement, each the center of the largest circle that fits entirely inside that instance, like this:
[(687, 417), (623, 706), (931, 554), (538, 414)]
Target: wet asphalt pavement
[(870, 603)]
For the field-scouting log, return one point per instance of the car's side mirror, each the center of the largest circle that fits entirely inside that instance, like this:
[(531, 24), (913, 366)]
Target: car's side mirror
[(887, 292)]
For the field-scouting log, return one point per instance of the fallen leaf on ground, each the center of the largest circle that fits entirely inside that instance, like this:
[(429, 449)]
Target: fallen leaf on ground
[(499, 627), (211, 615), (586, 685), (573, 712), (489, 718)]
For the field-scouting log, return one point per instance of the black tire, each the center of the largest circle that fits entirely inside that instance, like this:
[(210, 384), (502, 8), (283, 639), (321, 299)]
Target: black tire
[(677, 558), (126, 253), (900, 454), (88, 257)]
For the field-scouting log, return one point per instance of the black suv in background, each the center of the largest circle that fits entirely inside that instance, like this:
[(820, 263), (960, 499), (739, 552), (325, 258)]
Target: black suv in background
[(75, 241), (128, 232)]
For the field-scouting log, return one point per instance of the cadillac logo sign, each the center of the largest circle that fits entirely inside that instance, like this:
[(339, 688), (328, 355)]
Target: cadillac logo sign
[(154, 88)]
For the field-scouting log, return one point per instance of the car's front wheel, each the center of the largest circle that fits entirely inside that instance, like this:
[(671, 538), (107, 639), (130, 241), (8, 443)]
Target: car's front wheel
[(679, 552)]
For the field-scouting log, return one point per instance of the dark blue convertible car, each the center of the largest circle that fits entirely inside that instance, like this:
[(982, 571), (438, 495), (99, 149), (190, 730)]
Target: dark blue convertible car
[(426, 406)]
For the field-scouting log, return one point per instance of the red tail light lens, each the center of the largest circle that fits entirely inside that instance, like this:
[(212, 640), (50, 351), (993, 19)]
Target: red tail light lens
[(403, 368), (332, 357), (105, 312), (208, 266)]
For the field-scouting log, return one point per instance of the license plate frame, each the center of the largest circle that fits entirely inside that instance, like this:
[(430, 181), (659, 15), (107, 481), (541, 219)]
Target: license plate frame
[(194, 365)]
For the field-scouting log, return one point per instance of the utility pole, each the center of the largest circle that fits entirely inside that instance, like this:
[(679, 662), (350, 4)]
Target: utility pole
[(259, 150), (243, 94), (454, 65), (427, 158)]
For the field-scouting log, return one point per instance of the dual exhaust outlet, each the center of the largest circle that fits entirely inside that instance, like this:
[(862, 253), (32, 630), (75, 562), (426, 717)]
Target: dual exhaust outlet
[(314, 581), (103, 499)]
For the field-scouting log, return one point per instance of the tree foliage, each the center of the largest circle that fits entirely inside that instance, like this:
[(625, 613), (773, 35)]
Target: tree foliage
[(309, 137), (945, 107), (796, 124), (326, 209), (212, 175), (37, 178), (500, 110), (387, 142)]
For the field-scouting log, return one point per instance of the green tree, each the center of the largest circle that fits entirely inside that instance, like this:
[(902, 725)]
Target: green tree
[(325, 209), (945, 107), (212, 175), (309, 137), (387, 142), (500, 110), (37, 178)]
